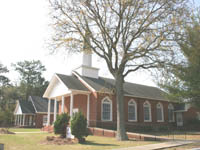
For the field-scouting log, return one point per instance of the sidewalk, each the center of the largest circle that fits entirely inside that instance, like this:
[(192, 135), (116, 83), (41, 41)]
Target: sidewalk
[(158, 146), (30, 132)]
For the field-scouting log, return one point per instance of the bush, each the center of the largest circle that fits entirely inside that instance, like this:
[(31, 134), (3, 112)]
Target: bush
[(79, 127), (61, 124), (6, 118)]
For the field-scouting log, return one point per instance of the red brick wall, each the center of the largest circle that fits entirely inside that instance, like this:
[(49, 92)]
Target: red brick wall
[(190, 114), (140, 117), (39, 120)]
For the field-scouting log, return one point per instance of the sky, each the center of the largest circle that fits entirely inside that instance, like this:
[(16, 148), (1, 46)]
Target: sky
[(24, 34)]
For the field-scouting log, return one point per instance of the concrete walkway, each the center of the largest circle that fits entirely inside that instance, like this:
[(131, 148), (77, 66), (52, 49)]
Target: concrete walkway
[(158, 146), (30, 132)]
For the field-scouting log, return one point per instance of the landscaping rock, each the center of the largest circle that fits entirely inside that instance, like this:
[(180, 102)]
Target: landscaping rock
[(59, 140)]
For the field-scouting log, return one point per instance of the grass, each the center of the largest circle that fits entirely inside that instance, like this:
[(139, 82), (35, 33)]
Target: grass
[(24, 130), (29, 141)]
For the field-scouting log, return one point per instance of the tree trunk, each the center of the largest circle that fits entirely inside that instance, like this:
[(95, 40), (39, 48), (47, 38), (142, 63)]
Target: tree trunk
[(121, 131)]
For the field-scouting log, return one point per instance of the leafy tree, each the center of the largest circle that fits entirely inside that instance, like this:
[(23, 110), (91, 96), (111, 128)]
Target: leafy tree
[(127, 34), (182, 80), (61, 124), (31, 80), (3, 79), (79, 127)]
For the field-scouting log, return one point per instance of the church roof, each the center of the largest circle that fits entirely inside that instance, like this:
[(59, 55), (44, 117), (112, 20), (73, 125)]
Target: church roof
[(130, 89), (102, 84), (72, 82), (26, 107), (36, 104), (41, 104)]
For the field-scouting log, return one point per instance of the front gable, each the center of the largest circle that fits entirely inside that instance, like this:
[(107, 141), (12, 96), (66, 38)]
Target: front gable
[(56, 88), (18, 110)]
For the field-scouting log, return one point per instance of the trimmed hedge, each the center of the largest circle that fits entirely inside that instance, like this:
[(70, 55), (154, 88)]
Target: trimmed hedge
[(61, 124)]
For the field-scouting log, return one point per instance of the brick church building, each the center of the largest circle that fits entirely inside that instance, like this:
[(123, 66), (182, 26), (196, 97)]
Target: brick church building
[(84, 90)]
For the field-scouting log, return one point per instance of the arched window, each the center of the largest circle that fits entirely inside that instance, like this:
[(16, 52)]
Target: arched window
[(159, 112), (106, 108), (171, 113), (132, 111), (147, 111)]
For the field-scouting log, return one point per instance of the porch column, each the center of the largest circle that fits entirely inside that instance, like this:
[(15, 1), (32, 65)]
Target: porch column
[(88, 109), (55, 109), (18, 116), (62, 104), (20, 120), (24, 120), (49, 108), (71, 104), (15, 120)]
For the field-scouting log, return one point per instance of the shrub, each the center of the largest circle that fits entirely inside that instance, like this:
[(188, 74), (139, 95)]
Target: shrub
[(6, 118), (61, 124), (79, 127)]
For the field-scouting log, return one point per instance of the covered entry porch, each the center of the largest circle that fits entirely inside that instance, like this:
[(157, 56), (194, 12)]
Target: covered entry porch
[(70, 95)]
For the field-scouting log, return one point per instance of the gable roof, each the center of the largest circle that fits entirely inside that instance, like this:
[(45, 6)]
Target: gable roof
[(26, 107), (41, 104), (72, 82), (130, 89)]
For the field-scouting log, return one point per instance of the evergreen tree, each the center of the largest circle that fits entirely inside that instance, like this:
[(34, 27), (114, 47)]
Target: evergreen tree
[(182, 81), (31, 80)]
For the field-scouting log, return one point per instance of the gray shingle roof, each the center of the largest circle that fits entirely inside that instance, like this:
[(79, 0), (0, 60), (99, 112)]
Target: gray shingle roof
[(26, 107), (107, 85), (132, 89), (41, 104), (72, 82)]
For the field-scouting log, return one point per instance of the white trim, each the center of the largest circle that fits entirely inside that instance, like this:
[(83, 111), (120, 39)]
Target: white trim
[(150, 117), (88, 109), (15, 112), (33, 103), (171, 106), (62, 104), (55, 110), (23, 120), (49, 110), (110, 102), (45, 113), (71, 104), (84, 82), (162, 115), (135, 104)]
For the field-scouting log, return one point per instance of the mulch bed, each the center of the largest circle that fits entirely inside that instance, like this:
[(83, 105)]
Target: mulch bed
[(58, 140), (5, 131)]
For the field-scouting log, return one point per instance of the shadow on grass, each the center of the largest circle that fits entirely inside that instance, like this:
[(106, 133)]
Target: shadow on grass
[(97, 144)]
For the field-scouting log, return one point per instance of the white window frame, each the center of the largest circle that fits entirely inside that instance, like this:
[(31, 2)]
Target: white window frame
[(160, 105), (110, 102), (149, 105), (44, 124), (131, 103), (75, 110), (170, 106)]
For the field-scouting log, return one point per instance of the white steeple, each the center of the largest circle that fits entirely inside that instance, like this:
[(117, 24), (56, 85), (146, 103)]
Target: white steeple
[(86, 68), (87, 59)]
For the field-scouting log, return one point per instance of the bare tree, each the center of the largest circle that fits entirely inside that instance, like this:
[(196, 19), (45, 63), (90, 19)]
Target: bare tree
[(128, 34)]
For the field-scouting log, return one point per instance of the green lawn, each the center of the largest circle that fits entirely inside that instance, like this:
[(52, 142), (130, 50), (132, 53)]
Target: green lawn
[(24, 130), (30, 141)]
